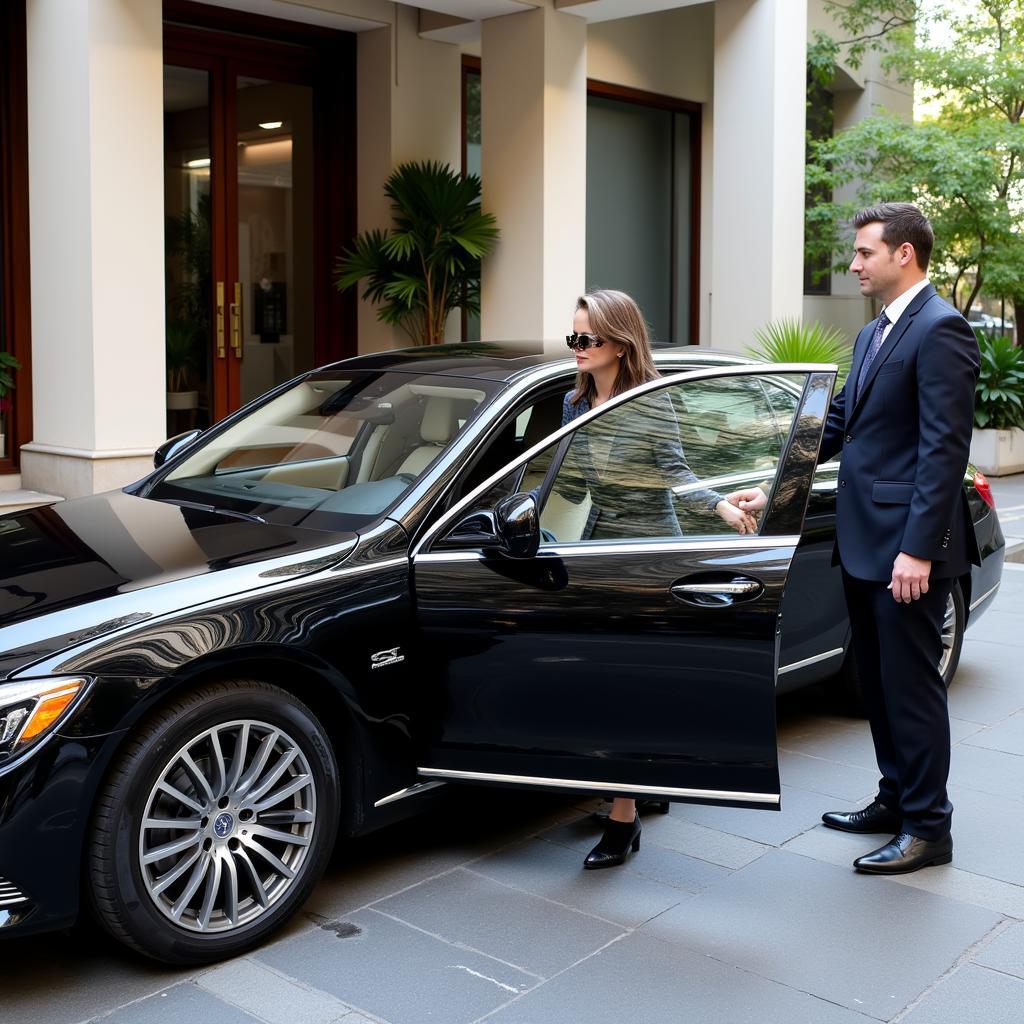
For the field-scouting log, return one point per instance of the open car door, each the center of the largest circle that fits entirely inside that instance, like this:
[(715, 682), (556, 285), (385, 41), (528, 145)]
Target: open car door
[(591, 621)]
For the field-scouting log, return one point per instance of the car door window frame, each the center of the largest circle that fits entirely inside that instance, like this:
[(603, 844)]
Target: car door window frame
[(815, 374)]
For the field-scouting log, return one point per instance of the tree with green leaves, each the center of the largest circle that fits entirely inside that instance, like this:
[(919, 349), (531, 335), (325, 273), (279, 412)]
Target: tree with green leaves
[(964, 166), (428, 264)]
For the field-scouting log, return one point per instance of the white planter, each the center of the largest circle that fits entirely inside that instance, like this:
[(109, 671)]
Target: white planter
[(178, 400), (998, 452)]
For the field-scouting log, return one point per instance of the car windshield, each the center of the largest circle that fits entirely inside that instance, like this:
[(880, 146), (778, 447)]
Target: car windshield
[(333, 452)]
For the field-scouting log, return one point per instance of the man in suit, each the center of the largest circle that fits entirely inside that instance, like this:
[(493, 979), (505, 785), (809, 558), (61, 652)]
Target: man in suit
[(903, 530)]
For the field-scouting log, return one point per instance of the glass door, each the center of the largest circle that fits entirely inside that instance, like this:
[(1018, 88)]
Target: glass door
[(259, 201)]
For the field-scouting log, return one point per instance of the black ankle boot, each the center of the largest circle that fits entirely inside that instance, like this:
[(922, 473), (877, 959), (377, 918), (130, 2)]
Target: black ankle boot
[(619, 838)]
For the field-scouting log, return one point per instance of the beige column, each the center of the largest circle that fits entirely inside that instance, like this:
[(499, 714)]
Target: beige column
[(534, 122), (409, 107), (758, 167), (95, 111)]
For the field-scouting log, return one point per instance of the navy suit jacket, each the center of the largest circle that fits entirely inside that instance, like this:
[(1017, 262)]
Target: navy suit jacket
[(905, 440)]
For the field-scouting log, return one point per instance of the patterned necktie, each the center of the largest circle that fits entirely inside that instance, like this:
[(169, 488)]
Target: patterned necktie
[(869, 357)]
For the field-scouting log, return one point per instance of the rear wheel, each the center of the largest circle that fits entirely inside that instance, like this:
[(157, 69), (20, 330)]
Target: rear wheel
[(953, 625), (215, 824)]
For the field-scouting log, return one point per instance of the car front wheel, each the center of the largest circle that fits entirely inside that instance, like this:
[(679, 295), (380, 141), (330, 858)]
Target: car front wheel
[(215, 823)]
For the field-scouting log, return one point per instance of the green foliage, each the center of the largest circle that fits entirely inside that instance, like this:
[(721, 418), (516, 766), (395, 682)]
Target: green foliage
[(790, 341), (964, 166), (428, 264), (7, 364), (864, 25), (188, 238), (999, 402)]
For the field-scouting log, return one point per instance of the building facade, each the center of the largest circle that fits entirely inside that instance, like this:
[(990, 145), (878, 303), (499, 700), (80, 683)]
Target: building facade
[(178, 180)]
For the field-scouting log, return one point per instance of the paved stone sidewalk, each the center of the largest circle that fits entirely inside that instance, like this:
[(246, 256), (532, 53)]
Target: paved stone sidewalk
[(481, 911)]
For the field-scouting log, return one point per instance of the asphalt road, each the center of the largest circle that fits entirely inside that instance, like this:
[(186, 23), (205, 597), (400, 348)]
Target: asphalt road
[(480, 911)]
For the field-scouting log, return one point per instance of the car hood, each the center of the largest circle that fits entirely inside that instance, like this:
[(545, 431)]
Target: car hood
[(79, 569)]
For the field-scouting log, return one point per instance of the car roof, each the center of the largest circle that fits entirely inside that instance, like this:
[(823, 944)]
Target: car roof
[(504, 362)]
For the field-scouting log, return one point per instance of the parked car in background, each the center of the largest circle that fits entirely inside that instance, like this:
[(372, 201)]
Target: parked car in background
[(377, 579)]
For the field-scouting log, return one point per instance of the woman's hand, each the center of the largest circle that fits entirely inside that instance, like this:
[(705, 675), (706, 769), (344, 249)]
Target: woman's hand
[(751, 500), (741, 522)]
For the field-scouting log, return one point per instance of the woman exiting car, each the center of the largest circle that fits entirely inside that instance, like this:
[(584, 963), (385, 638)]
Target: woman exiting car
[(613, 354)]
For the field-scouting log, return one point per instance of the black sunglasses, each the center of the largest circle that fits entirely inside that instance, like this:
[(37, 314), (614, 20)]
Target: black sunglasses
[(581, 342)]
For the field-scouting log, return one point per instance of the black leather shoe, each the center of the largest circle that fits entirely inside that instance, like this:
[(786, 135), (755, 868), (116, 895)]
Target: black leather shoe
[(619, 838), (876, 817), (642, 807), (905, 853)]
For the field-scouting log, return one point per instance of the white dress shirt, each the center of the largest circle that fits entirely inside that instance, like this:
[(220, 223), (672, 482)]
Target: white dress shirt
[(898, 306)]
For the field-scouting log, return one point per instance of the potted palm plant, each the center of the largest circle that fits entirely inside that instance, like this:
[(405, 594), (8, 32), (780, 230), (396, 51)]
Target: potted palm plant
[(997, 445), (791, 341), (181, 357), (428, 264)]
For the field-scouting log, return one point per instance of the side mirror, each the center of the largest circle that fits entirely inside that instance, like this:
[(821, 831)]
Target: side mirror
[(518, 521), (172, 446), (512, 529)]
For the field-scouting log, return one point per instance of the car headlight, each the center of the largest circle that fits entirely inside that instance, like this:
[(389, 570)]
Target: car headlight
[(29, 710)]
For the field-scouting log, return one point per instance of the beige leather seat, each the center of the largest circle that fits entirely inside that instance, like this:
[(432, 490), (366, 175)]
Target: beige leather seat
[(437, 428)]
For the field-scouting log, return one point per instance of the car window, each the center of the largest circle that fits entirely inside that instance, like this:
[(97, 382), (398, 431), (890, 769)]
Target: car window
[(334, 444), (657, 466)]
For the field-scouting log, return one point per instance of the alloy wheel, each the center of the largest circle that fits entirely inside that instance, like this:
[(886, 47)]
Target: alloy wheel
[(949, 635), (227, 826)]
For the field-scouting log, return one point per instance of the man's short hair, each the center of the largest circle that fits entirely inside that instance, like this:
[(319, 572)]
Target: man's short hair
[(901, 222)]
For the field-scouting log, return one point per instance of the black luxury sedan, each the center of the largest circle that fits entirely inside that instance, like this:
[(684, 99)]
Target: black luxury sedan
[(382, 577)]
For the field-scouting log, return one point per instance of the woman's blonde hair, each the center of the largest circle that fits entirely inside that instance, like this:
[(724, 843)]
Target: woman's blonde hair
[(615, 317)]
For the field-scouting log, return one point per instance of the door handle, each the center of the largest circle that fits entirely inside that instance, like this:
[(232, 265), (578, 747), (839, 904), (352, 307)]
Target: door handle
[(236, 321), (221, 350), (718, 593)]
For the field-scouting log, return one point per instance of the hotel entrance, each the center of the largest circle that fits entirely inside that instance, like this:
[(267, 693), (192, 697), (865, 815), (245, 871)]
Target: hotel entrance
[(258, 202)]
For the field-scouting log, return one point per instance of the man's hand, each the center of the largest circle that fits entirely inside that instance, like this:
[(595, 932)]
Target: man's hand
[(909, 577), (741, 522), (751, 500)]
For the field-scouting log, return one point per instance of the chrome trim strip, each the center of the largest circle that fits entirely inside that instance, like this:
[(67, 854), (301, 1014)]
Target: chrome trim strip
[(748, 587), (769, 799), (369, 567), (636, 547), (812, 660), (415, 790), (508, 397), (984, 597), (10, 894)]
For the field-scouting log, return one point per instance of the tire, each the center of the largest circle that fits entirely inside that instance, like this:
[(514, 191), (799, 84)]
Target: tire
[(954, 624), (258, 823)]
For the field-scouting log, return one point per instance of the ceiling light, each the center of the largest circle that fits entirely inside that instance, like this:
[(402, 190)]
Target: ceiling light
[(271, 125), (203, 161)]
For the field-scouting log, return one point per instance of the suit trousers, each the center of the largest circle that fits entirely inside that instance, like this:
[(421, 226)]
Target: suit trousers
[(898, 647)]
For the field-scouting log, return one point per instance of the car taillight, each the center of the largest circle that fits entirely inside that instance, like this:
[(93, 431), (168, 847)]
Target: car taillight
[(984, 489)]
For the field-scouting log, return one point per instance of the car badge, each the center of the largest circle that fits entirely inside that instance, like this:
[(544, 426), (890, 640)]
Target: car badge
[(388, 657)]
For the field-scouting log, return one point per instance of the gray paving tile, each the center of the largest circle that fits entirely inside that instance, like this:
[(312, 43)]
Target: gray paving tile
[(843, 742), (394, 971), (988, 833), (256, 989), (988, 771), (183, 1002), (827, 931), (677, 833), (532, 933), (1007, 735), (640, 980), (822, 775), (1005, 952), (801, 810), (971, 994), (556, 873), (949, 880), (960, 730), (64, 979), (982, 704), (983, 663)]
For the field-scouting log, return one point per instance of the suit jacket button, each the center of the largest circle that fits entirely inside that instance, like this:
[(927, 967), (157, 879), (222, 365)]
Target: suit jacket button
[(849, 438), (842, 483)]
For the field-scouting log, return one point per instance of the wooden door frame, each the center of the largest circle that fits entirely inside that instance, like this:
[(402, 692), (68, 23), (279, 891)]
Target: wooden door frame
[(14, 224), (229, 42)]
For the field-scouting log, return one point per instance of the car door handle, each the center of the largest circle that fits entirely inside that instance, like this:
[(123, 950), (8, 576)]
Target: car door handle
[(717, 593)]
